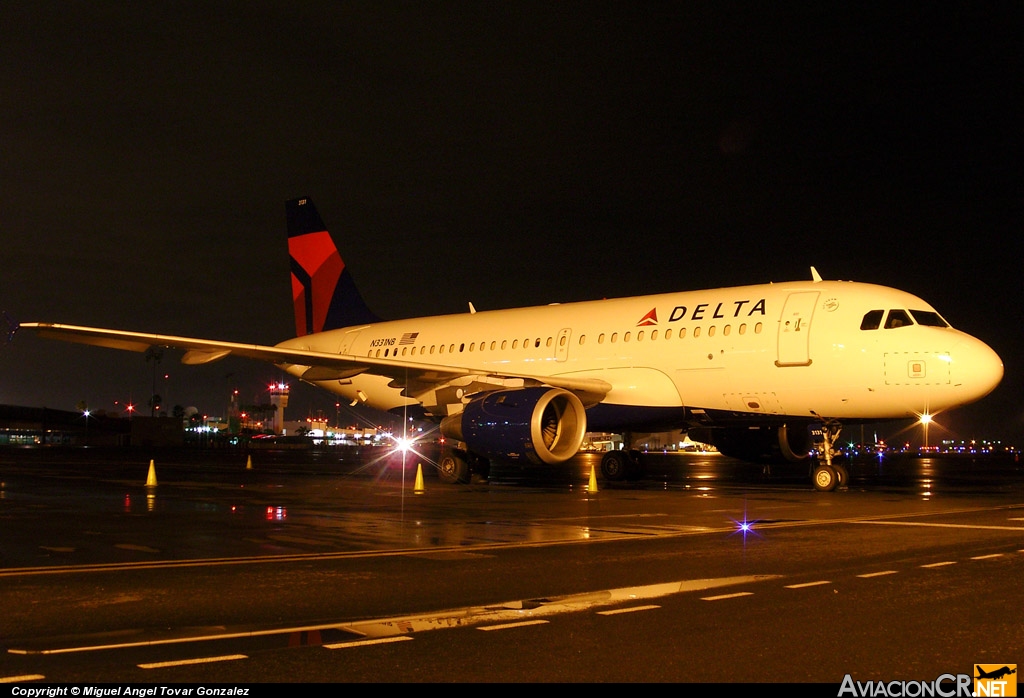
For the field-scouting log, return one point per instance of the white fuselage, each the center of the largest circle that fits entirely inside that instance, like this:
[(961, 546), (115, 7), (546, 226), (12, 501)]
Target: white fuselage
[(786, 349)]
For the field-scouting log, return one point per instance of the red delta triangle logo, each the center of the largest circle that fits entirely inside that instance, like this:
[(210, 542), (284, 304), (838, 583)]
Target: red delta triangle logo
[(650, 318)]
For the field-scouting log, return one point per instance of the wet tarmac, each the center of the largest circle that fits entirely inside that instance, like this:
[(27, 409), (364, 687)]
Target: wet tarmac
[(154, 555)]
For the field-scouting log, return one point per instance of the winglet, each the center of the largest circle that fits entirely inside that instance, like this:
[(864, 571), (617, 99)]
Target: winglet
[(11, 327), (815, 275)]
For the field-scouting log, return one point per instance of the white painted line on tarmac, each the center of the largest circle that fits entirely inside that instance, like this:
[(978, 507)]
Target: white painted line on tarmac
[(507, 626), (190, 662), (722, 597), (973, 527), (363, 643), (23, 677), (631, 609)]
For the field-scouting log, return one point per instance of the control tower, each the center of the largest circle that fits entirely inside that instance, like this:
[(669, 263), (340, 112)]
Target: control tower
[(279, 399)]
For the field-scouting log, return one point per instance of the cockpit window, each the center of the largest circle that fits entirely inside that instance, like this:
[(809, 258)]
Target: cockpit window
[(898, 318), (929, 318), (872, 320)]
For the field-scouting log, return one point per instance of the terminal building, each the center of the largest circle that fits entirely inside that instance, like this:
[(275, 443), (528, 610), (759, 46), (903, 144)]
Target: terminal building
[(42, 426)]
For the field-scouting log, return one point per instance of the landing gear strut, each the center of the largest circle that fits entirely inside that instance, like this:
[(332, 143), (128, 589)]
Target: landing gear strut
[(829, 475)]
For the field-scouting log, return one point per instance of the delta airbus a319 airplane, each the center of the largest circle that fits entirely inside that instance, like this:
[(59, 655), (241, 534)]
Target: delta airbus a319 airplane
[(765, 372)]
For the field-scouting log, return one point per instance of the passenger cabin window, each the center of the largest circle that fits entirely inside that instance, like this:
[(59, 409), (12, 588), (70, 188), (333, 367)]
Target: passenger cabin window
[(898, 318)]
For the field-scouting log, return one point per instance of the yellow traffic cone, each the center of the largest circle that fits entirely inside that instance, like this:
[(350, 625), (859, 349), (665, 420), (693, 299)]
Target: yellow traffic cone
[(592, 486), (418, 487), (151, 478), (248, 463)]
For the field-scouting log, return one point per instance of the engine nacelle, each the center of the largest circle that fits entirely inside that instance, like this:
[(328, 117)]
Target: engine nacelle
[(783, 443), (536, 425)]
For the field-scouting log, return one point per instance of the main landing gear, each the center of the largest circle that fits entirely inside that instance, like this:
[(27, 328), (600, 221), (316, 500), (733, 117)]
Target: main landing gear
[(458, 466), (829, 474), (622, 464), (453, 467)]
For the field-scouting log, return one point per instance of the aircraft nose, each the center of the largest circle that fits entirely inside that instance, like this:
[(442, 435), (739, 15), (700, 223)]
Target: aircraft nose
[(978, 368)]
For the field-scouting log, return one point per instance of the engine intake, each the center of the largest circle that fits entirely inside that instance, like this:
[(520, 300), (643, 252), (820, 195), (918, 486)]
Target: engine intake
[(536, 425)]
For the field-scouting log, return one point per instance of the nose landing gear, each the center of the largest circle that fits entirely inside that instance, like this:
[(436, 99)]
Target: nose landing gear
[(829, 475)]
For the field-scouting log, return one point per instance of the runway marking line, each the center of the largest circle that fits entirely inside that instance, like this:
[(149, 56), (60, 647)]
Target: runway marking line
[(631, 609), (808, 584), (190, 662), (364, 643), (868, 575), (939, 525), (23, 677), (987, 557), (507, 626), (722, 597), (939, 564)]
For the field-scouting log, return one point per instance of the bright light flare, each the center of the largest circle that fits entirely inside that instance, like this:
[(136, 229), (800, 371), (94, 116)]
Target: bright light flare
[(745, 527)]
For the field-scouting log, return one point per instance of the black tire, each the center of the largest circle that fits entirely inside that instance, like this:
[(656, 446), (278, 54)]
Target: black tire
[(825, 478), (453, 469), (616, 465)]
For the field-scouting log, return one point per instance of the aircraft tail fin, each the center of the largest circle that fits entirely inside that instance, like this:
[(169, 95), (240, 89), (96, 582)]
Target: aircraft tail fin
[(324, 294)]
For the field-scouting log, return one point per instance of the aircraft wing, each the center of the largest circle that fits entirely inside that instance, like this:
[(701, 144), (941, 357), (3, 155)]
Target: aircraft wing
[(414, 376)]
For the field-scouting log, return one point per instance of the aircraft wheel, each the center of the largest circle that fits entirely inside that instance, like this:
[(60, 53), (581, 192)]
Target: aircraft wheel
[(452, 469), (825, 478), (616, 465), (843, 474)]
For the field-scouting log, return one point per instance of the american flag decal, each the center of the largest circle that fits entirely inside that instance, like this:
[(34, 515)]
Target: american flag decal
[(408, 338)]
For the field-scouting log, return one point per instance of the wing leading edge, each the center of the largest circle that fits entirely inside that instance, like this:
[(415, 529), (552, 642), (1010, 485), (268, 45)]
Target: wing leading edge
[(320, 365)]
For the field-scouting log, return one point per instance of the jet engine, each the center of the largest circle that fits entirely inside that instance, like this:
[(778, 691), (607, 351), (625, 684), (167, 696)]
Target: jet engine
[(534, 425), (784, 443)]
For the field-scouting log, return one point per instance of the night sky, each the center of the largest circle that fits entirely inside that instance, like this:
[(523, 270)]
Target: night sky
[(499, 153)]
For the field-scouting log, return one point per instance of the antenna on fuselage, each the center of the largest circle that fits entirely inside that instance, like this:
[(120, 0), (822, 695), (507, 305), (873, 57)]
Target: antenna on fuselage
[(815, 275), (472, 310)]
